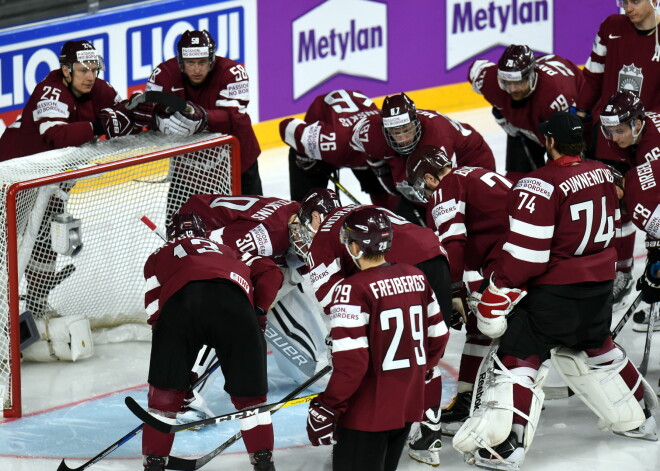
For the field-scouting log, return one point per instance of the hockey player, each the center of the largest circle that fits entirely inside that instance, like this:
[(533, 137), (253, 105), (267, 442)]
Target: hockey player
[(524, 92), (315, 233), (554, 276), (643, 200), (389, 139), (321, 144), (625, 56), (70, 107), (387, 334), (199, 293), (257, 226), (634, 136), (217, 90), (467, 208)]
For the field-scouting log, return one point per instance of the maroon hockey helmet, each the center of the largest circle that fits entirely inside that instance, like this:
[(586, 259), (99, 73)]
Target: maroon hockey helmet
[(195, 45), (400, 123), (82, 52), (425, 159), (322, 200), (370, 228), (622, 108), (186, 224), (517, 64)]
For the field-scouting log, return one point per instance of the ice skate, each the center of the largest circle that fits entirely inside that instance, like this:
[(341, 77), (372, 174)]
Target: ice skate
[(641, 320), (425, 444), (458, 411), (507, 456), (622, 286), (262, 461), (154, 463), (646, 431)]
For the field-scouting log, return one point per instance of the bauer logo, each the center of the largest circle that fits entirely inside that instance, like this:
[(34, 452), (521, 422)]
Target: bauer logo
[(476, 26), (339, 37)]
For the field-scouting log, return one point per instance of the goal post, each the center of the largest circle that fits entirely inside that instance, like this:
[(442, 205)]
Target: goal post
[(72, 235)]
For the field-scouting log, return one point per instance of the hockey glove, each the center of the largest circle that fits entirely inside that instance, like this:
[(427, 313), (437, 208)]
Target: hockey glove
[(495, 304), (649, 283), (411, 193), (306, 164), (118, 122), (143, 111), (384, 175), (321, 423), (509, 128), (459, 305)]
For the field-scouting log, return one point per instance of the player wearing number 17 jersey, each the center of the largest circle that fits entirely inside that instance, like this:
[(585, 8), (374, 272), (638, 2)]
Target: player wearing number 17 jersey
[(200, 293), (387, 333)]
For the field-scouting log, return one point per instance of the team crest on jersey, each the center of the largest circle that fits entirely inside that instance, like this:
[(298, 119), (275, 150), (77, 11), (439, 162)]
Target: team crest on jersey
[(631, 78)]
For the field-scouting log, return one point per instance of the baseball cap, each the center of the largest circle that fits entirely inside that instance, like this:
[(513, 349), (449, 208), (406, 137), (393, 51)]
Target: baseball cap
[(565, 128)]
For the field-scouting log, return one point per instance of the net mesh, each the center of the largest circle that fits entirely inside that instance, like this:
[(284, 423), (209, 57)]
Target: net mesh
[(101, 278)]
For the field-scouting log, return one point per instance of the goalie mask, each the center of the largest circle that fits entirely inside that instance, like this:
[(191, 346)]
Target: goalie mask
[(425, 159), (516, 71), (195, 45), (82, 52), (622, 111), (370, 229), (401, 126), (186, 225)]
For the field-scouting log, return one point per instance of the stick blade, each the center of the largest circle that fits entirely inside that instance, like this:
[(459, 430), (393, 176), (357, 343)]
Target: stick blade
[(64, 467)]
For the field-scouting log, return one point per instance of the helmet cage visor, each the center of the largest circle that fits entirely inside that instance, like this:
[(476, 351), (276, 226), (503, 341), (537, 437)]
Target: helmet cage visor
[(403, 138), (507, 78)]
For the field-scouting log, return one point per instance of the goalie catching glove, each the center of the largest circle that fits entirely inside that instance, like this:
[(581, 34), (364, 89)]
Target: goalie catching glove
[(493, 307), (193, 120), (321, 423)]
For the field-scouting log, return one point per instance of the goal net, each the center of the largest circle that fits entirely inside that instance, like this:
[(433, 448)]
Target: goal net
[(71, 230)]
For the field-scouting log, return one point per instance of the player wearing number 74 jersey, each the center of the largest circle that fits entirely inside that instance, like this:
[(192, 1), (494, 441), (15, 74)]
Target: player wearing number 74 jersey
[(387, 334)]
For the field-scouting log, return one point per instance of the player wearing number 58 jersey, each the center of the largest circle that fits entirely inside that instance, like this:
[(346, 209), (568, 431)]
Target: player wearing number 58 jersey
[(387, 334), (200, 293)]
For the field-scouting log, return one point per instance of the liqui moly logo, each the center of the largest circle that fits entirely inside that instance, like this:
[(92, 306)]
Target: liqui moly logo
[(474, 26), (339, 36)]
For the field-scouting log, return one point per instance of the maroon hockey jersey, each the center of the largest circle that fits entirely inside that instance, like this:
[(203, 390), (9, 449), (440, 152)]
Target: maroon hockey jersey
[(643, 197), (327, 130), (621, 59), (557, 86), (224, 94), (387, 332), (461, 139), (186, 259), (329, 261), (54, 118), (254, 224), (648, 147), (468, 210), (562, 221)]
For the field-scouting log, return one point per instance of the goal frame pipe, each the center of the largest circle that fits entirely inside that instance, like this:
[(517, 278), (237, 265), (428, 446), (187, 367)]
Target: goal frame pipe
[(14, 380)]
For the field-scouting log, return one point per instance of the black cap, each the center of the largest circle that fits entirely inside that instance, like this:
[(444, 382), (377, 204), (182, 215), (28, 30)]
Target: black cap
[(565, 128)]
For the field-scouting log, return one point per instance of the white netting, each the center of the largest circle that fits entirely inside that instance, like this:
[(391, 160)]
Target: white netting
[(102, 282)]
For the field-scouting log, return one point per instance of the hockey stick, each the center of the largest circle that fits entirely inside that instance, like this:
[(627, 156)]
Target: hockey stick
[(165, 427), (171, 101), (132, 433), (561, 392), (341, 187), (193, 464), (653, 316), (528, 154), (151, 225)]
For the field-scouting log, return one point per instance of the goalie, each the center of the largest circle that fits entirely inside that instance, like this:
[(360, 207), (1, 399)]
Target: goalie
[(553, 279)]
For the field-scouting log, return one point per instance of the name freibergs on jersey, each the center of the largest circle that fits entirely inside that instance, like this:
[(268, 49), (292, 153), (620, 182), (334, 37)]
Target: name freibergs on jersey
[(398, 285)]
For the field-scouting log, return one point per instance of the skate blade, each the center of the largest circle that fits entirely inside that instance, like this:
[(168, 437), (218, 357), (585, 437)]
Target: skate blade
[(647, 436), (427, 461)]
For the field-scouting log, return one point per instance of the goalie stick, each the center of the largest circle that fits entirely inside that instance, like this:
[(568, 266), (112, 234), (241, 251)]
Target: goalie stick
[(136, 431), (172, 102), (184, 464), (561, 392), (165, 427)]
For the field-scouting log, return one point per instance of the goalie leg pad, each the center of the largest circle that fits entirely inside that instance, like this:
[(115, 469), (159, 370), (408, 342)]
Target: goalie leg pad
[(493, 409), (62, 339), (602, 388)]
